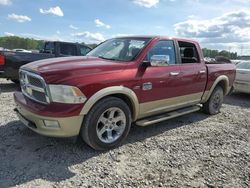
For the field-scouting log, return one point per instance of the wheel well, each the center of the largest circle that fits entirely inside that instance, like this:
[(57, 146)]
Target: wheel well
[(223, 85), (127, 100)]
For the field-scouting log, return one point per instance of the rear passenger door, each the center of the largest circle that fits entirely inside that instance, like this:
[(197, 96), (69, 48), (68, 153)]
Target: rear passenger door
[(193, 71)]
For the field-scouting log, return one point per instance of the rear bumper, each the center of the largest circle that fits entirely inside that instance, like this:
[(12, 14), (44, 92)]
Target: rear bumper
[(65, 126), (240, 86)]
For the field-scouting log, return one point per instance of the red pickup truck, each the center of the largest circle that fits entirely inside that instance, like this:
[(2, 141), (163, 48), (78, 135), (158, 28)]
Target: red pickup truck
[(141, 79)]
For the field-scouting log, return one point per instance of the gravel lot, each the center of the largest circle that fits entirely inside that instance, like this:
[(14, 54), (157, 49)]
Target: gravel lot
[(194, 150)]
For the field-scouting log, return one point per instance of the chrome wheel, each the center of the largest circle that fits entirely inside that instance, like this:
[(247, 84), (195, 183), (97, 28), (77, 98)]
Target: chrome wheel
[(111, 125)]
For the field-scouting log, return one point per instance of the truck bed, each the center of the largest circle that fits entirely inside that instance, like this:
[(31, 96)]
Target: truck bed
[(13, 60)]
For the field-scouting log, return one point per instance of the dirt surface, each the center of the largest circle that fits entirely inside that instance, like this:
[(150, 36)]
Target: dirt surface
[(195, 150)]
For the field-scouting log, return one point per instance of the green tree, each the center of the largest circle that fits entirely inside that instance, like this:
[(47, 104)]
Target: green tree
[(213, 53)]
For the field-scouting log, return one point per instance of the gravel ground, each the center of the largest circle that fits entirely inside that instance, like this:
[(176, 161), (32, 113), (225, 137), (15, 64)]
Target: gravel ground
[(195, 150)]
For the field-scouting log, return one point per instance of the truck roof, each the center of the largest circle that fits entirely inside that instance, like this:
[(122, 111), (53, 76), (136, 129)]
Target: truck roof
[(158, 37)]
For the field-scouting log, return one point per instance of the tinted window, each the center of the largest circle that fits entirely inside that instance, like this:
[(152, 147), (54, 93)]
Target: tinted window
[(49, 47), (84, 50), (163, 48), (245, 65), (68, 49), (188, 52)]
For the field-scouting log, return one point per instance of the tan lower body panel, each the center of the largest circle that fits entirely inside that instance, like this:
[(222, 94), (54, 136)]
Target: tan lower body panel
[(166, 105), (68, 126)]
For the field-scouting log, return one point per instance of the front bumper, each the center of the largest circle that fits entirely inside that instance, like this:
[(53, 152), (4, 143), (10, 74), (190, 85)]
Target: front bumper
[(67, 126)]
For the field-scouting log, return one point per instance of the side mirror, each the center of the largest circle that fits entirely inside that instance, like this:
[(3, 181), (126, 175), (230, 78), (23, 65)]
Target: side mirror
[(159, 60)]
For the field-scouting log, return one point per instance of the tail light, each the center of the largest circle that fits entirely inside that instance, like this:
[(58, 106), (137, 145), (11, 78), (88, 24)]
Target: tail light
[(2, 60)]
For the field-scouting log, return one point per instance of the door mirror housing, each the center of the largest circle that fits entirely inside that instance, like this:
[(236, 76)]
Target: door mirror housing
[(159, 60)]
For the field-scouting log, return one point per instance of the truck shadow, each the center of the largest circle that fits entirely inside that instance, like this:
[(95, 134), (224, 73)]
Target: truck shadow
[(238, 99), (9, 87), (27, 156)]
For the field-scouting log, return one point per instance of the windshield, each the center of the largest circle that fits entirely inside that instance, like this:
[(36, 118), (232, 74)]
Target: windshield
[(245, 65), (119, 49)]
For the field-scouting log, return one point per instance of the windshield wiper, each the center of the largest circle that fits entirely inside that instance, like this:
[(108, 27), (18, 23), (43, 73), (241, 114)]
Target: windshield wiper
[(108, 58)]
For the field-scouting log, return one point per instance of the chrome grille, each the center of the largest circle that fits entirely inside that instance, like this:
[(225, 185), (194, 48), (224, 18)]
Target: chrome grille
[(35, 82), (33, 86)]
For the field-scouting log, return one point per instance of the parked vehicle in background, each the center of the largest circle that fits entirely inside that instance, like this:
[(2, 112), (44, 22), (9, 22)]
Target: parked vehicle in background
[(21, 50), (217, 60), (10, 62), (242, 81), (144, 80)]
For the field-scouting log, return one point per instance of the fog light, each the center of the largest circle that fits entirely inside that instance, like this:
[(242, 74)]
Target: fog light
[(51, 124)]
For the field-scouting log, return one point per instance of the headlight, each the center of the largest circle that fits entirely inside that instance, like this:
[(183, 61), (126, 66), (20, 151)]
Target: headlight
[(66, 94)]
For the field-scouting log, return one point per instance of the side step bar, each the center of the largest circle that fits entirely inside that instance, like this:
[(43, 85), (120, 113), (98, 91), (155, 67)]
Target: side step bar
[(167, 116)]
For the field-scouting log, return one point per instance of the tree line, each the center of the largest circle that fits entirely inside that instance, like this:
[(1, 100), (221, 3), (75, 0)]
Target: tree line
[(12, 42), (214, 53)]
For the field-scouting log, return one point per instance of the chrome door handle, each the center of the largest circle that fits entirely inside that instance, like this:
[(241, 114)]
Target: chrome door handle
[(174, 73), (202, 71)]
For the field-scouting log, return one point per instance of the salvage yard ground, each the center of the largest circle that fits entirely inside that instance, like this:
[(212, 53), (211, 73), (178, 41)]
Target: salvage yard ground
[(194, 150)]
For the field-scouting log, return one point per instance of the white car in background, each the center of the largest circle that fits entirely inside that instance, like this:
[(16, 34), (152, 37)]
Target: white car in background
[(242, 81), (22, 50)]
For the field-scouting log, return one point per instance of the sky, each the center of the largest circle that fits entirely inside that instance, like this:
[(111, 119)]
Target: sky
[(216, 24)]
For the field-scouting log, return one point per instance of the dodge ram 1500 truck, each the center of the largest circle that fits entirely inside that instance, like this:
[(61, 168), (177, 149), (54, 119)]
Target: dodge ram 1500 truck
[(11, 61), (144, 80)]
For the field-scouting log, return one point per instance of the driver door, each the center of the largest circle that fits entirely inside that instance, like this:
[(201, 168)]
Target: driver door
[(161, 85)]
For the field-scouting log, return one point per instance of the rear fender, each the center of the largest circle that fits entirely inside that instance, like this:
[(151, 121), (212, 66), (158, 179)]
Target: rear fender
[(226, 88)]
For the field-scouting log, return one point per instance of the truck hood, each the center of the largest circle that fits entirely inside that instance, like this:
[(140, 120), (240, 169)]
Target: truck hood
[(68, 67)]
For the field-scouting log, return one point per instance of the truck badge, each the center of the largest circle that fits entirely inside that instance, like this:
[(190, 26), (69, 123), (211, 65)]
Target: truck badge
[(147, 86)]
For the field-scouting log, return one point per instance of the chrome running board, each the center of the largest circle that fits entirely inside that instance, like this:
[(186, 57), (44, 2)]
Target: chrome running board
[(167, 116)]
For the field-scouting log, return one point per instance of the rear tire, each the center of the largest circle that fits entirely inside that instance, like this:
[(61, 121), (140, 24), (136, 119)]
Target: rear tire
[(107, 124), (214, 103)]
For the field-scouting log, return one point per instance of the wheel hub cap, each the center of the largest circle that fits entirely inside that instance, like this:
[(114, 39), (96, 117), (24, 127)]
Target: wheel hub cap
[(111, 125)]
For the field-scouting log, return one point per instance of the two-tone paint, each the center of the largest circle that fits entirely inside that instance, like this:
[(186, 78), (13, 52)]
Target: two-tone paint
[(97, 78)]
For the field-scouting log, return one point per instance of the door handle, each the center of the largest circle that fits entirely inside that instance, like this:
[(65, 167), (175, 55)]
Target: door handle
[(174, 73), (202, 71)]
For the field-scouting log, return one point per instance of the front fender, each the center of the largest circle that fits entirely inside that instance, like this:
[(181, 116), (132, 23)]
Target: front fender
[(111, 91)]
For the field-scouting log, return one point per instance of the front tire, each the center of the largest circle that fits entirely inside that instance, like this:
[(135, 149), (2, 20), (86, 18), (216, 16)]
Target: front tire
[(107, 124), (214, 103)]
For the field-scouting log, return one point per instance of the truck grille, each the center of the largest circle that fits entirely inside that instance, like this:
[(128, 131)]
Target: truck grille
[(34, 87)]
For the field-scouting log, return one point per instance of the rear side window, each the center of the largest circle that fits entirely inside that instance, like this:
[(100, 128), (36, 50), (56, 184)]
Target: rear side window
[(163, 48), (188, 52), (84, 50), (68, 49)]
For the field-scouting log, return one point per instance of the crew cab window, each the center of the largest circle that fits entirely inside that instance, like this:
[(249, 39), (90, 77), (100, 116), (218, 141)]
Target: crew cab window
[(188, 52), (84, 50), (163, 48), (68, 49)]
